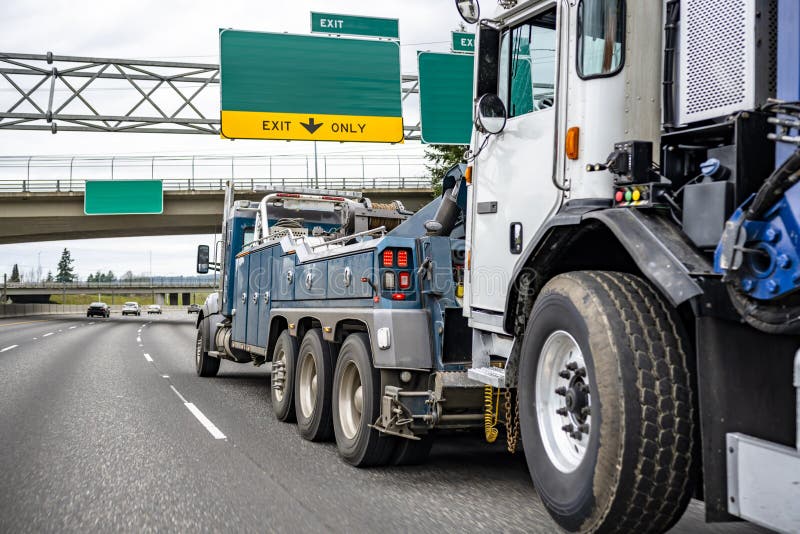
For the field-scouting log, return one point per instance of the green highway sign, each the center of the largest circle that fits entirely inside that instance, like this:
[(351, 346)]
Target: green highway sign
[(463, 42), (310, 88), (350, 25), (123, 197), (445, 98)]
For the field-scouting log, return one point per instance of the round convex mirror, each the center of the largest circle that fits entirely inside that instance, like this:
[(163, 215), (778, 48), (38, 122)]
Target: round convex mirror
[(491, 114), (469, 10)]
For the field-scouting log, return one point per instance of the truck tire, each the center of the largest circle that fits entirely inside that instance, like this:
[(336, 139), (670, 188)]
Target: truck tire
[(205, 365), (411, 451), (606, 357), (281, 381), (313, 384), (357, 404)]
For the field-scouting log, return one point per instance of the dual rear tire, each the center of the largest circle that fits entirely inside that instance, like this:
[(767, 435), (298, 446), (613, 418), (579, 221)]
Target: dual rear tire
[(337, 394)]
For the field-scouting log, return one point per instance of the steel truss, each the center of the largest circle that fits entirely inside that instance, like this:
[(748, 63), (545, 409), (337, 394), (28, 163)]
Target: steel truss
[(169, 97)]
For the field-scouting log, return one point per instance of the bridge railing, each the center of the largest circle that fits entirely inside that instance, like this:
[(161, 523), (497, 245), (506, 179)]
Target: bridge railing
[(218, 184), (121, 284)]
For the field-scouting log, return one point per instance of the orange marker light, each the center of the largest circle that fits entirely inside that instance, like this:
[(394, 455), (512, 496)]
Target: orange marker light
[(468, 175), (573, 145)]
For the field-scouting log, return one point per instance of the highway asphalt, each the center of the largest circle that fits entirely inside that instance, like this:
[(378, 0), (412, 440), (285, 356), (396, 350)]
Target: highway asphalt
[(104, 427)]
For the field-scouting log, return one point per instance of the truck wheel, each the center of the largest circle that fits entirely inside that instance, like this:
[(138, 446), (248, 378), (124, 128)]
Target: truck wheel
[(606, 407), (357, 404), (205, 365), (284, 359), (411, 451), (312, 390)]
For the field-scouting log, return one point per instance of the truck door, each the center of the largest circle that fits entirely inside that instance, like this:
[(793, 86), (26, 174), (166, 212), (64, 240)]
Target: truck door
[(512, 193), (265, 298), (254, 296), (240, 285)]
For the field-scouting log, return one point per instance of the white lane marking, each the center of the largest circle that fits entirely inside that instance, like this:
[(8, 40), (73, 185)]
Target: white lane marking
[(213, 430), (60, 330), (139, 331), (164, 376), (178, 393), (9, 348), (141, 345), (71, 327), (91, 323), (48, 334), (35, 338), (147, 357), (138, 340)]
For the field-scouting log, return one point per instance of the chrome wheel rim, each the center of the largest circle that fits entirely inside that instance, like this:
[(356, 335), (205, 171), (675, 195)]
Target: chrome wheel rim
[(350, 400), (308, 385), (278, 375), (563, 401), (198, 349)]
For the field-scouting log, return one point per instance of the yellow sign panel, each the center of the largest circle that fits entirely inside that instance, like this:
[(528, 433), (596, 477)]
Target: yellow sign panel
[(311, 127)]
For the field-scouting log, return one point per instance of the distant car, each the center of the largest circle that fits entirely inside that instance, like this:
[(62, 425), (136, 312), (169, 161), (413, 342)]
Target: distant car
[(154, 308), (194, 308), (98, 309), (131, 308)]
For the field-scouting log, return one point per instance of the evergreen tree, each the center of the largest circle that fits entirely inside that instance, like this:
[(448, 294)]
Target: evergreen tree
[(90, 278), (110, 277), (441, 158), (49, 276), (66, 272), (14, 274)]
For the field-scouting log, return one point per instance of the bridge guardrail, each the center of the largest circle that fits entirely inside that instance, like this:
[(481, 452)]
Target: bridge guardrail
[(218, 184), (58, 286)]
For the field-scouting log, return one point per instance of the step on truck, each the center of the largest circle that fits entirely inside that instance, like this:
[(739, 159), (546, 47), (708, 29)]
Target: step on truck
[(610, 282)]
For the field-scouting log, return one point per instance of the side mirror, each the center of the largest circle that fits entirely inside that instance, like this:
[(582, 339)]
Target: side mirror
[(492, 116), (469, 10), (202, 259)]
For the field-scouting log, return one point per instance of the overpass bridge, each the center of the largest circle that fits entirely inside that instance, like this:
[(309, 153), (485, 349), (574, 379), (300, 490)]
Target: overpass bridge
[(172, 292), (51, 210)]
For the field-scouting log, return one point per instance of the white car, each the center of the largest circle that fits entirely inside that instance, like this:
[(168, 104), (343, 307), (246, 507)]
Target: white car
[(154, 308), (131, 308)]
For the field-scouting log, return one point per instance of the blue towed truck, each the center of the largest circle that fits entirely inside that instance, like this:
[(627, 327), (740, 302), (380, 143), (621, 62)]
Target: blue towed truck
[(348, 305)]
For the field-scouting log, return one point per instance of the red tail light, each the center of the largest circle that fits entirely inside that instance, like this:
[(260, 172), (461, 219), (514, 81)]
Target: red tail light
[(387, 258), (404, 280), (398, 296), (402, 258)]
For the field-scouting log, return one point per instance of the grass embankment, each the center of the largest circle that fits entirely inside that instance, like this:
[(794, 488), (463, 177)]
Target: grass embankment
[(117, 299)]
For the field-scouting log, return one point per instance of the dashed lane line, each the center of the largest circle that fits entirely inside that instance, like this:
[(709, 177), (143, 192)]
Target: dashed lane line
[(71, 327), (9, 348), (178, 393), (48, 334), (147, 357), (212, 429)]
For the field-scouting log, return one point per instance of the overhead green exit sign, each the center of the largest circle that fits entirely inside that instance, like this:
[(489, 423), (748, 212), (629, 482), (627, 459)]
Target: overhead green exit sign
[(463, 42), (123, 197), (351, 25)]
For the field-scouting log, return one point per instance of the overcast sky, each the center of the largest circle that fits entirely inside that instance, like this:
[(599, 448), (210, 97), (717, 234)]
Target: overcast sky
[(174, 30)]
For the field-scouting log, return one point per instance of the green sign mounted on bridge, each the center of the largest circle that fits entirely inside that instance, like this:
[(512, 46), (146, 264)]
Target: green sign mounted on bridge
[(123, 197), (310, 88), (445, 97), (463, 42), (351, 25)]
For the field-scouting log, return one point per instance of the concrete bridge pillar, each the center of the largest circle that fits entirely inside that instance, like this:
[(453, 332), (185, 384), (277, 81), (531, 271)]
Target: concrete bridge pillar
[(159, 299)]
